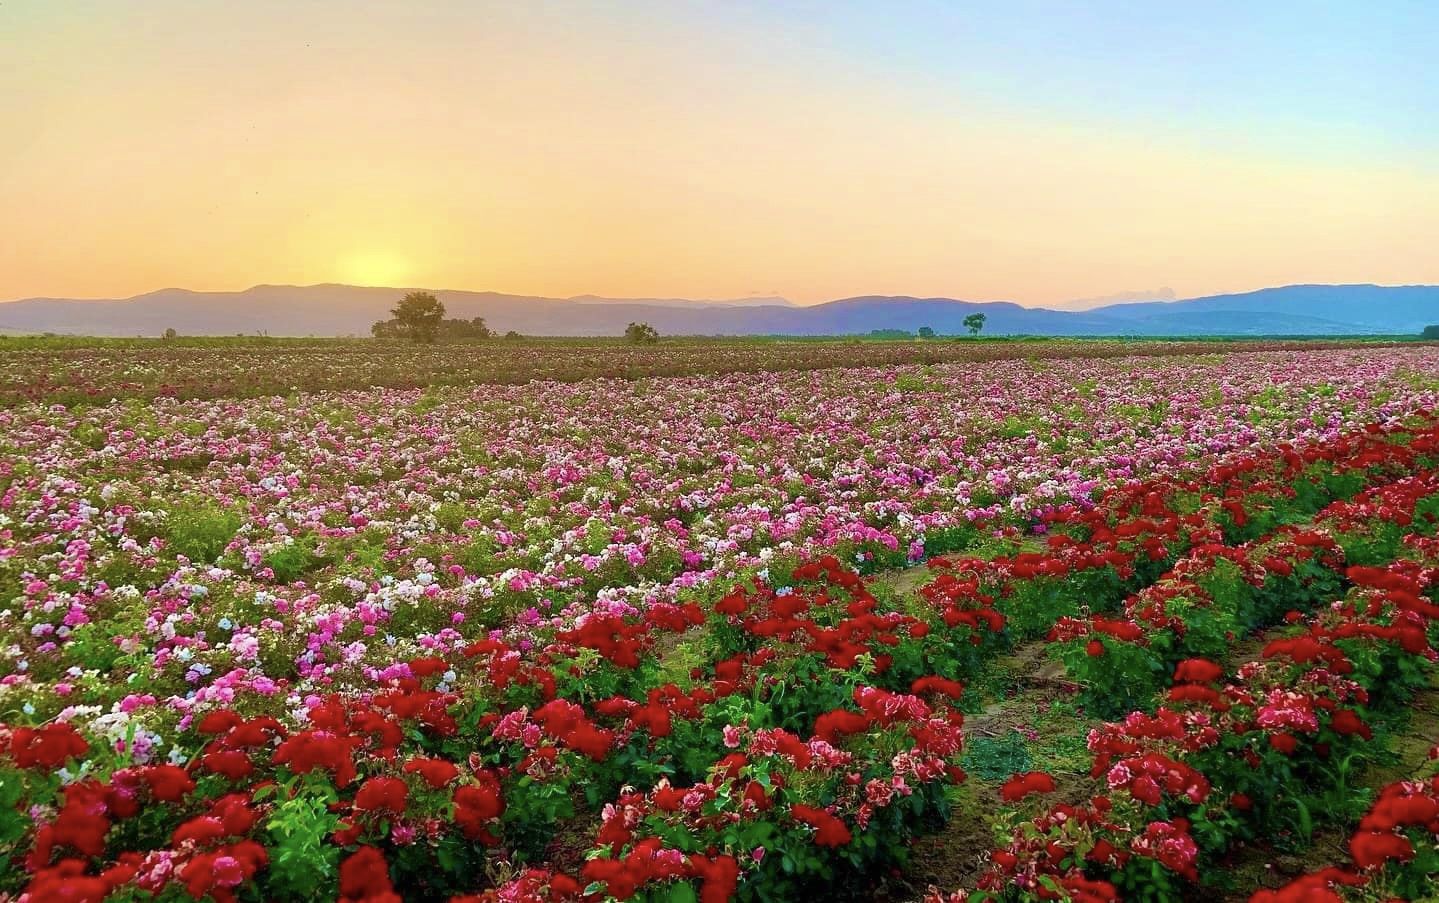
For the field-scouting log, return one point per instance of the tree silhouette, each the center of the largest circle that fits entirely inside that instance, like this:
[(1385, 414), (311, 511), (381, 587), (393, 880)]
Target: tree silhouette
[(641, 334), (418, 315)]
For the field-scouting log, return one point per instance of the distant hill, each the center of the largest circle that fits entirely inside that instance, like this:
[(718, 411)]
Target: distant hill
[(327, 310), (1359, 308), (766, 301)]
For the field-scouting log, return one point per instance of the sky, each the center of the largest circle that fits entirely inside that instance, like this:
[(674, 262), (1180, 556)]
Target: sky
[(1030, 151)]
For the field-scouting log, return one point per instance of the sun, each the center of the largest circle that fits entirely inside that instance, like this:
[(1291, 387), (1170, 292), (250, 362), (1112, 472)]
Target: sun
[(381, 268)]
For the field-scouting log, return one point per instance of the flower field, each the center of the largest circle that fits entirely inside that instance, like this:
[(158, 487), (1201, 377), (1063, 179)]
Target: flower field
[(68, 371), (736, 628)]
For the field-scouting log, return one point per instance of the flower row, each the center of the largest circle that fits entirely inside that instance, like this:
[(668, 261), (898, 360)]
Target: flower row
[(1222, 762)]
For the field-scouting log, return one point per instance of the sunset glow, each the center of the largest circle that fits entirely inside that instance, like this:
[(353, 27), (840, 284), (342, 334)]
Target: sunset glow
[(719, 451), (374, 268), (1023, 151)]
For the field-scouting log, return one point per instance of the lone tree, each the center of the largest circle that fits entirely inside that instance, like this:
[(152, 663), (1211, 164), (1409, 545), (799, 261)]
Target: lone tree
[(641, 334), (447, 330), (974, 323), (1430, 332), (418, 316), (926, 332)]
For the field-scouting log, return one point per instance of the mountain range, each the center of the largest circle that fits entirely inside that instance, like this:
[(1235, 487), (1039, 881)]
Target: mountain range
[(331, 310)]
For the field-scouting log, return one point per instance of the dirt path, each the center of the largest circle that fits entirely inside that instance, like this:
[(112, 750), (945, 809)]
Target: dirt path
[(1027, 722), (905, 581)]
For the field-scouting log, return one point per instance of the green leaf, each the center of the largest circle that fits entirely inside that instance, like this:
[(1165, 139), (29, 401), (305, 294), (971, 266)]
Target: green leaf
[(1306, 821), (683, 892)]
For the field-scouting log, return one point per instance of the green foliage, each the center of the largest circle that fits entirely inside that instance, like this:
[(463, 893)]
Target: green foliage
[(910, 382), (13, 826), (1016, 426), (1123, 678), (533, 810), (641, 334), (997, 758), (293, 560), (303, 865), (1037, 604), (200, 530)]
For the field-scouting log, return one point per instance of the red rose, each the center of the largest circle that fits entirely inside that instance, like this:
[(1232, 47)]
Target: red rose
[(1373, 848), (435, 772), (829, 831), (168, 783), (476, 805), (1284, 743), (1022, 785), (382, 795), (1197, 670), (951, 688), (365, 876), (833, 725), (46, 747)]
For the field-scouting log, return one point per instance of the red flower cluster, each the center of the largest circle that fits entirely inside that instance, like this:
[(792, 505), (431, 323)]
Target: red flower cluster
[(477, 806), (319, 750), (566, 723), (1023, 785), (828, 830), (365, 878), (382, 794), (46, 747), (650, 862)]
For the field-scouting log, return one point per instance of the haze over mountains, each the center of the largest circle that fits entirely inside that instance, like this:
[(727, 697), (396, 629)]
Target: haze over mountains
[(331, 310)]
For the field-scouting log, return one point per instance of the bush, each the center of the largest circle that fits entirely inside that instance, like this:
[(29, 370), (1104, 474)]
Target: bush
[(201, 531), (641, 334)]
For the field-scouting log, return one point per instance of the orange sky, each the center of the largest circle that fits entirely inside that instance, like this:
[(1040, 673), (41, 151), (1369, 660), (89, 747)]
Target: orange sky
[(689, 150)]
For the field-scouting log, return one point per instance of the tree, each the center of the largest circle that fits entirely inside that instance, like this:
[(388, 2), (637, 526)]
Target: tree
[(641, 334), (461, 330), (513, 336), (1430, 332), (418, 316), (171, 333), (974, 323), (926, 332)]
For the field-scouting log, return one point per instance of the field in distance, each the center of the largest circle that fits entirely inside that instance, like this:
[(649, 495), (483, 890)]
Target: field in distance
[(76, 370)]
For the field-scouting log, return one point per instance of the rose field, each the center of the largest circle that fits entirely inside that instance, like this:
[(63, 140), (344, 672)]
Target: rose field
[(988, 621), (70, 370)]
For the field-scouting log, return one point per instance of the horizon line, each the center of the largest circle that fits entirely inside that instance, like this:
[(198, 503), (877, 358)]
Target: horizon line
[(1097, 302)]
